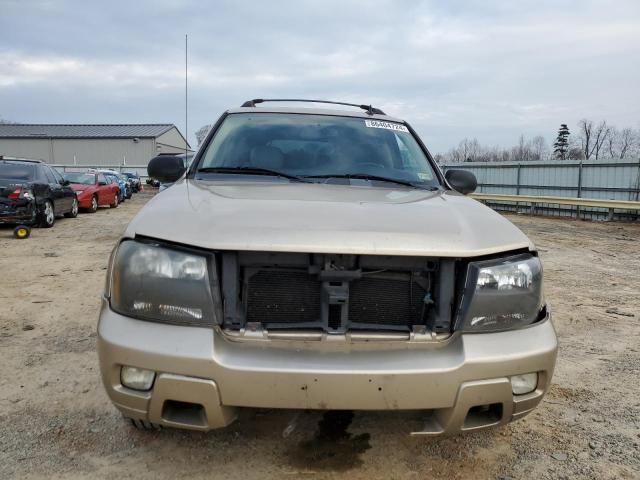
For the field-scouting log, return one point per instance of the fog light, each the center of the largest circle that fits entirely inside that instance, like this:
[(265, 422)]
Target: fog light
[(525, 383), (137, 378)]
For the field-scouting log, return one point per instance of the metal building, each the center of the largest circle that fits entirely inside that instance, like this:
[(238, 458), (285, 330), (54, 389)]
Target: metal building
[(90, 145)]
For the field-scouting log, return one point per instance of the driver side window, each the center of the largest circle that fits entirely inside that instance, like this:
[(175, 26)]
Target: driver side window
[(49, 175), (57, 176)]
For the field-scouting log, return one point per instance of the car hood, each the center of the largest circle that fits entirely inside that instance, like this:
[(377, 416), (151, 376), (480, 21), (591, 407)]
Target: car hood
[(321, 218)]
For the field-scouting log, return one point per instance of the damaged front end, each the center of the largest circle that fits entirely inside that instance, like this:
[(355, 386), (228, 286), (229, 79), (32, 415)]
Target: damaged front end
[(290, 295)]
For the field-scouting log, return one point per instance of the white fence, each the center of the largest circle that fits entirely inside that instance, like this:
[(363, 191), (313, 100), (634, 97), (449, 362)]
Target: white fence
[(604, 180)]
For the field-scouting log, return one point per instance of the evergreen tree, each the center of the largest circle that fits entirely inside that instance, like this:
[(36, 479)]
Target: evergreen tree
[(561, 145)]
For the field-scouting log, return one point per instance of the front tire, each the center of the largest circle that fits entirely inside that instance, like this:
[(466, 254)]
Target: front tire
[(73, 213), (93, 208), (115, 201), (48, 217)]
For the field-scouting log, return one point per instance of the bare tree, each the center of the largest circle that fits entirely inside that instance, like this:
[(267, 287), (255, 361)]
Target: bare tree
[(521, 151), (201, 133), (602, 132), (611, 144), (539, 150), (592, 137), (626, 140), (586, 137)]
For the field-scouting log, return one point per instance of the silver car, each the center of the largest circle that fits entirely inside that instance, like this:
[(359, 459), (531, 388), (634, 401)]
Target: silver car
[(319, 259)]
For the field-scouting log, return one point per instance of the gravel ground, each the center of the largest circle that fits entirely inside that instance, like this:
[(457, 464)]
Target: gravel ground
[(56, 421)]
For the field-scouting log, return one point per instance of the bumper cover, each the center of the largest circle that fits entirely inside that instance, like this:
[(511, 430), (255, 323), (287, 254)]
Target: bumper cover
[(204, 368), (17, 212)]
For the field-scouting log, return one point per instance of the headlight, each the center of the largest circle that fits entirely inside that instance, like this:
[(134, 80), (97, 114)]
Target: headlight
[(501, 294), (78, 192), (151, 282)]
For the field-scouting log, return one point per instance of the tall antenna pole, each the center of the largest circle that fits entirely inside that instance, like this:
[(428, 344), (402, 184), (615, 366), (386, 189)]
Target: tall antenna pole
[(186, 104)]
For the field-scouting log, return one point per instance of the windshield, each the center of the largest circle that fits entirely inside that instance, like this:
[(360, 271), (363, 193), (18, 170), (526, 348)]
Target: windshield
[(316, 147), (82, 178), (17, 171)]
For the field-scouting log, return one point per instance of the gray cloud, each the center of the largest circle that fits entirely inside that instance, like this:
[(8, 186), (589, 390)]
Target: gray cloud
[(487, 69)]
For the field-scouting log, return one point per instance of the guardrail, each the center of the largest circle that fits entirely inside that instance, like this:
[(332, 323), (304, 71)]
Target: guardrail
[(536, 200)]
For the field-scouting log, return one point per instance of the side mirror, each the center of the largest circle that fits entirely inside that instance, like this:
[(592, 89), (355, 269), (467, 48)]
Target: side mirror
[(462, 181), (166, 168), (102, 184), (65, 182)]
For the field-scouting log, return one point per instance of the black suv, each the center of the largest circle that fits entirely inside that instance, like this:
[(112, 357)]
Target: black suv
[(33, 193)]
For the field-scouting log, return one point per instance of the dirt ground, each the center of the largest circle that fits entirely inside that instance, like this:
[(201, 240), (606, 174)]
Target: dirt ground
[(56, 421)]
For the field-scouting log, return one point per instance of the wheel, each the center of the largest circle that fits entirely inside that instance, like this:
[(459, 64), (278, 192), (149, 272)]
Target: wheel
[(115, 201), (21, 232), (47, 217), (94, 205), (74, 209), (143, 424)]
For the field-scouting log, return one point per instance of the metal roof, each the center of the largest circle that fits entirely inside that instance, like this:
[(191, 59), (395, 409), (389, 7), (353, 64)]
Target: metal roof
[(22, 130)]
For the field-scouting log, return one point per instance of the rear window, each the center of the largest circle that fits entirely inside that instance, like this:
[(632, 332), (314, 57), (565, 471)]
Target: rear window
[(319, 145), (17, 171)]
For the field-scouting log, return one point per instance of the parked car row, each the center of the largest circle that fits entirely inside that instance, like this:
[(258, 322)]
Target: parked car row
[(34, 194)]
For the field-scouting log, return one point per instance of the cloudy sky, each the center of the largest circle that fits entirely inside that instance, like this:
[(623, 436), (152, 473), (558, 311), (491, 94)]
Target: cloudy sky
[(485, 69)]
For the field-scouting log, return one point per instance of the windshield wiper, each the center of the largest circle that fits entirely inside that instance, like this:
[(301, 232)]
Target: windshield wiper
[(251, 171), (378, 178)]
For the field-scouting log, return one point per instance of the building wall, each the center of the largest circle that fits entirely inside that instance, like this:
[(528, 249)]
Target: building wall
[(95, 151), (38, 148), (170, 142)]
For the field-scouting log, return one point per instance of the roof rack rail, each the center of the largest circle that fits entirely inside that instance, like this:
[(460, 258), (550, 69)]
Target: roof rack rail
[(368, 108)]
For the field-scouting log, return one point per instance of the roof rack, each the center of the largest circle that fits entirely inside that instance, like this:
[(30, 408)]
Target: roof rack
[(368, 108)]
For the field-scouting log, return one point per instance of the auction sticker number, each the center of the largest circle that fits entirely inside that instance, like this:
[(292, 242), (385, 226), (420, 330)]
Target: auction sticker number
[(386, 125)]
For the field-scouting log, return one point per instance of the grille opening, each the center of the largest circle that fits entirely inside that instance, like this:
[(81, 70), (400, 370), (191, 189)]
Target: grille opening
[(282, 296), (387, 301), (364, 293), (335, 316), (185, 413), (483, 415)]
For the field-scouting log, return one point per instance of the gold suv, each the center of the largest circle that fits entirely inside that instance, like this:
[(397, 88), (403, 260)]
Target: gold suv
[(319, 259)]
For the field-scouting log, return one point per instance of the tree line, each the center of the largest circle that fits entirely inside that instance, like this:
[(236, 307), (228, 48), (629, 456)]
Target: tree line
[(591, 141)]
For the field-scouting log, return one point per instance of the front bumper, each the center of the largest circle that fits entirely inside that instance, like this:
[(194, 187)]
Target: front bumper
[(203, 376)]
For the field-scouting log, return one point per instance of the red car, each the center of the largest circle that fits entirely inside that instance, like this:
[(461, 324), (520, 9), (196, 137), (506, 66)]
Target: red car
[(93, 190)]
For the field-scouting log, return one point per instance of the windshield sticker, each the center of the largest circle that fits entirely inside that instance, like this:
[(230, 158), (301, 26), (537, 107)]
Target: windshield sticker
[(386, 125)]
